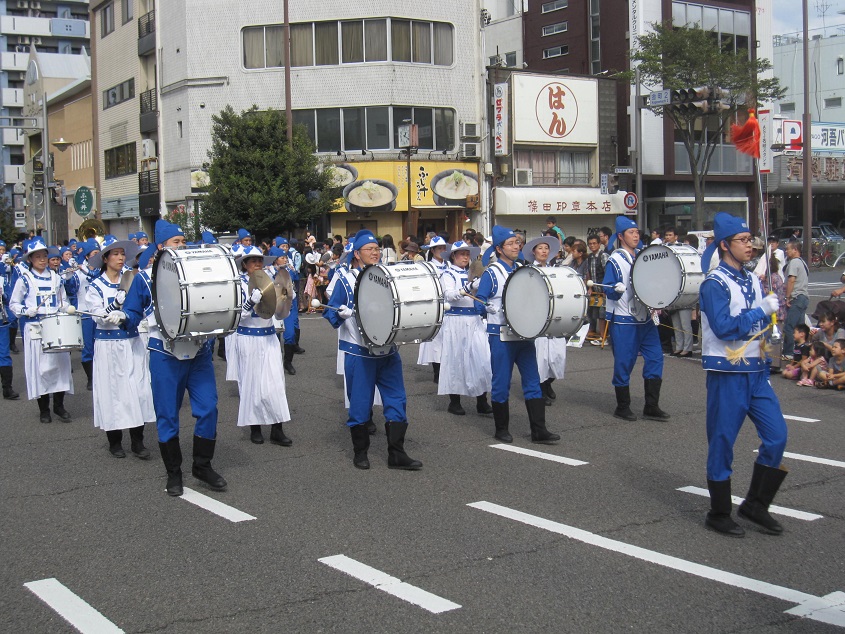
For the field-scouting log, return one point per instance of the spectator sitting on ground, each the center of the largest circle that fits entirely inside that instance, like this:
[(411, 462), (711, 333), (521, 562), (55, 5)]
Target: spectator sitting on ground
[(828, 332), (801, 350), (812, 365), (834, 375)]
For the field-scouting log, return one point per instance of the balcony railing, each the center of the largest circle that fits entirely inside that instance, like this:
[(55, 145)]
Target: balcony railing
[(148, 182), (149, 101), (147, 24)]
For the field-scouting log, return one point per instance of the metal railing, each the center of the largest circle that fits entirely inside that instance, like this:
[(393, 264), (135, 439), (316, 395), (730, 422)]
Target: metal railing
[(149, 101), (147, 24), (148, 181)]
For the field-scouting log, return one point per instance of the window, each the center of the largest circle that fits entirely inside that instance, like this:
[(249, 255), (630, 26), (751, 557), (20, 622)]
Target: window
[(552, 29), (325, 44), (443, 46), (106, 19), (120, 161), (510, 59), (179, 129), (840, 66), (548, 7), (328, 130), (555, 51), (305, 118), (352, 34), (378, 129), (119, 94), (353, 129), (400, 35), (833, 102), (301, 44), (254, 47), (274, 46), (126, 9), (787, 107), (555, 168), (730, 29), (375, 40), (421, 42)]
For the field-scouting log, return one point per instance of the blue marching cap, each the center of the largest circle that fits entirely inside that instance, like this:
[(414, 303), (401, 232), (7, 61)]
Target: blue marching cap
[(623, 223), (36, 244), (363, 237), (500, 234), (2, 244), (145, 257), (276, 252), (243, 233), (280, 241), (139, 235), (724, 226), (208, 238), (166, 230), (53, 252), (436, 241), (133, 236)]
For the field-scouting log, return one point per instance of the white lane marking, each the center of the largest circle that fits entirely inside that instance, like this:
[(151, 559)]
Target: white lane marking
[(827, 609), (774, 509), (539, 454), (71, 608), (801, 419), (825, 461), (218, 508), (391, 585)]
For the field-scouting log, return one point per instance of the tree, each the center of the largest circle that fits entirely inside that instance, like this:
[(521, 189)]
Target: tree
[(8, 232), (688, 57), (257, 179)]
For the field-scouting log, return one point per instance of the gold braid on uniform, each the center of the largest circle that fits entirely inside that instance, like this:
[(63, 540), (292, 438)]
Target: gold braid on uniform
[(737, 355)]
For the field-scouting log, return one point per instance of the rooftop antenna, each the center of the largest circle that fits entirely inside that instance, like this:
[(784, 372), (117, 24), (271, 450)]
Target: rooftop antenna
[(822, 7)]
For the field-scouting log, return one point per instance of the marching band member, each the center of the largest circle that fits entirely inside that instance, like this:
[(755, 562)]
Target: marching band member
[(122, 395), (292, 331), (170, 378), (551, 351), (84, 275), (6, 373), (734, 310), (9, 277), (465, 368), (261, 379), (503, 354), (430, 351), (365, 369), (39, 291), (631, 329)]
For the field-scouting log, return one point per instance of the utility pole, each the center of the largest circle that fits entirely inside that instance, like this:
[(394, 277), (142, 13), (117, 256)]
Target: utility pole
[(288, 111), (807, 150)]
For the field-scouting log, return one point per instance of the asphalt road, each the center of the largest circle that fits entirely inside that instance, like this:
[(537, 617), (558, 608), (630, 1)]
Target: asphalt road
[(105, 529)]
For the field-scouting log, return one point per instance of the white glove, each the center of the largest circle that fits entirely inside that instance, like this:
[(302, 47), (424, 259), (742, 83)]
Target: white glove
[(31, 312), (770, 304), (256, 296), (67, 274), (344, 312), (116, 317), (491, 310), (619, 287), (470, 288), (120, 297)]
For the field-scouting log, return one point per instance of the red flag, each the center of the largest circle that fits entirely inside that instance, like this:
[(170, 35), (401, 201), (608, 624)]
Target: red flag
[(746, 137)]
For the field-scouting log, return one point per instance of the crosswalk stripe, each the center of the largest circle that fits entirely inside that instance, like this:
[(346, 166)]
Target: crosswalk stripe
[(542, 455), (215, 506), (804, 458), (801, 419), (71, 608)]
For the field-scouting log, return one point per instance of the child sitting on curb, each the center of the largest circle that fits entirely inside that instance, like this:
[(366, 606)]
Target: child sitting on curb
[(834, 375), (801, 351), (812, 365)]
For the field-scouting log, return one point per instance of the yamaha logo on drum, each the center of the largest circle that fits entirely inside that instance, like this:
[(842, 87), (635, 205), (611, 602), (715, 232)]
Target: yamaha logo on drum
[(378, 279), (168, 266), (648, 257)]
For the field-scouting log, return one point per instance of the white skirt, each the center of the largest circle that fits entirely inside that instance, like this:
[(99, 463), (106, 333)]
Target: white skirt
[(122, 393), (46, 372), (232, 356), (431, 351), (551, 357), (261, 380), (465, 363), (141, 354)]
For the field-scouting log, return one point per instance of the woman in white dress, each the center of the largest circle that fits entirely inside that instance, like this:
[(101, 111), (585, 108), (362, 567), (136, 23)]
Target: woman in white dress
[(551, 352), (123, 397), (261, 376), (465, 356), (430, 350)]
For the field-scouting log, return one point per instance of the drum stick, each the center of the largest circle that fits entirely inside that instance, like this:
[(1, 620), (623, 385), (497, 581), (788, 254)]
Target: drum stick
[(71, 310), (480, 301), (315, 303), (591, 283)]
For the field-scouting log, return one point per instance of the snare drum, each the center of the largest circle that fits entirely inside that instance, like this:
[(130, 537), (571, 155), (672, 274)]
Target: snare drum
[(61, 333), (196, 291), (400, 303), (544, 302), (667, 276)]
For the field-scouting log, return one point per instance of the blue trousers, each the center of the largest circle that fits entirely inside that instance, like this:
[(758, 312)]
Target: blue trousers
[(627, 341), (292, 323), (170, 378), (794, 316), (731, 396), (503, 355), (363, 374), (88, 327), (5, 357)]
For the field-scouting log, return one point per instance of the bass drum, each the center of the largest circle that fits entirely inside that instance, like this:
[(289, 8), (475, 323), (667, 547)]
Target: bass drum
[(544, 301), (400, 303), (196, 292), (667, 276)]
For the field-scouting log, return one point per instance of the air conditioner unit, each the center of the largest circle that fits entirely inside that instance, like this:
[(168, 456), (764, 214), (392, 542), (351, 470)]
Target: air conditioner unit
[(524, 177), (36, 41), (65, 49), (148, 148), (469, 130), (23, 4), (471, 150), (23, 39), (66, 14), (35, 5)]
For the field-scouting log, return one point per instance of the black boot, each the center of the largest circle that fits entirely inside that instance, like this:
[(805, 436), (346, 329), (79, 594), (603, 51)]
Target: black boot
[(396, 456), (288, 364), (201, 469), (501, 419), (481, 404), (360, 444), (296, 347), (436, 367), (221, 347), (544, 388), (537, 419), (370, 425), (88, 367), (652, 410), (13, 337), (719, 518), (277, 436), (765, 482), (6, 378), (59, 407), (455, 405), (549, 391), (623, 404), (115, 437), (255, 435), (136, 436), (171, 455), (44, 408)]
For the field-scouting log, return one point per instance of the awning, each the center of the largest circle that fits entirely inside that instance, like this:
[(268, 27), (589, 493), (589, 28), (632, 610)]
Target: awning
[(558, 201)]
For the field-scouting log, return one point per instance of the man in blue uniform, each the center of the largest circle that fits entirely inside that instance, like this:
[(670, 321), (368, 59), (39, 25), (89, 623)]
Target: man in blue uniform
[(171, 376), (366, 368), (505, 353), (5, 358), (734, 310), (632, 331)]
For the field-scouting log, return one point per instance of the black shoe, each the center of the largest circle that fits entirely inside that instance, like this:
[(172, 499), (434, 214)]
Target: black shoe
[(455, 405), (652, 410), (201, 469), (501, 419), (503, 435), (298, 350), (255, 435), (436, 367), (289, 368), (550, 393), (623, 404), (723, 524), (6, 376), (62, 413), (482, 406), (277, 436), (396, 456), (45, 417), (371, 427), (765, 482), (10, 395), (288, 359), (719, 517), (547, 401), (117, 451), (360, 444), (171, 455), (136, 434), (537, 420)]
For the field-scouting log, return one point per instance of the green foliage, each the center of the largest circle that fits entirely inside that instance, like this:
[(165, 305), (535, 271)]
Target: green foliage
[(187, 220), (257, 179), (8, 232)]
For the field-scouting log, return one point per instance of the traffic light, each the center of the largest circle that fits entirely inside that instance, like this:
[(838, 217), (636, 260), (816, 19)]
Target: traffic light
[(612, 183), (692, 100)]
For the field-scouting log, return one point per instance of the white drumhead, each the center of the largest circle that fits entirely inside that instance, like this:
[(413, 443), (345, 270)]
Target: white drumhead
[(374, 303), (526, 299), (657, 276), (167, 293)]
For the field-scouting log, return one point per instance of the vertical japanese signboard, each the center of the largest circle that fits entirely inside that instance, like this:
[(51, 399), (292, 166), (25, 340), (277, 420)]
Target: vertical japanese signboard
[(500, 109)]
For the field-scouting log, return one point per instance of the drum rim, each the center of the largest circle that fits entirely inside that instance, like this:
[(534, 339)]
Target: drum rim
[(549, 312), (671, 247), (153, 288)]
